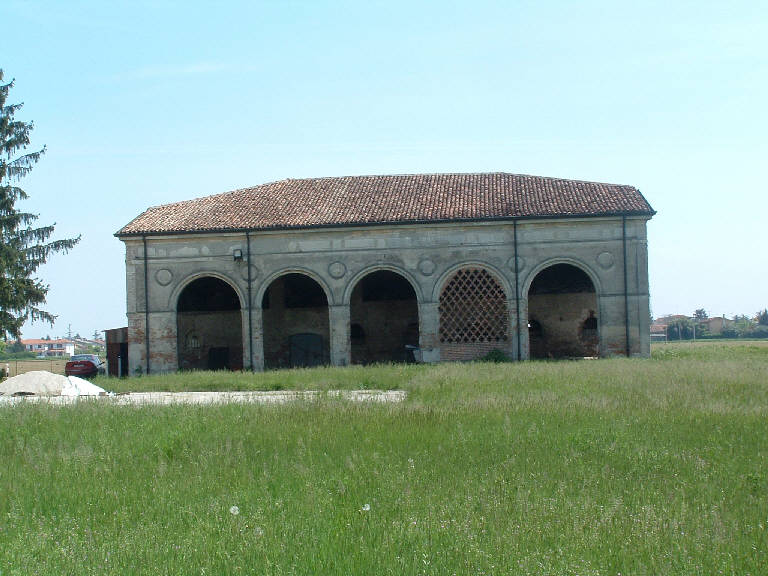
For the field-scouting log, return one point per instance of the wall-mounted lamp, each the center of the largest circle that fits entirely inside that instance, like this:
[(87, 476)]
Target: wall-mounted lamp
[(237, 254)]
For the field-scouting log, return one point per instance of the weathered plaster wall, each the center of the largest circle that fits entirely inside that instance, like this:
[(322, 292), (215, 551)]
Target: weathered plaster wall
[(426, 255)]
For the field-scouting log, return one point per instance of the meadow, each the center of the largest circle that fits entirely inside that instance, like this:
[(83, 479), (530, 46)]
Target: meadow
[(601, 467)]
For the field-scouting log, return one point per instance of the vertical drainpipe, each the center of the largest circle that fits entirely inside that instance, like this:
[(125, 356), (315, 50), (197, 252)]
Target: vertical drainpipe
[(626, 289), (146, 300), (250, 318), (517, 298)]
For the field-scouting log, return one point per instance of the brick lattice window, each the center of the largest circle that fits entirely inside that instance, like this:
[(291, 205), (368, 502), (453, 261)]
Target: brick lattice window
[(473, 308)]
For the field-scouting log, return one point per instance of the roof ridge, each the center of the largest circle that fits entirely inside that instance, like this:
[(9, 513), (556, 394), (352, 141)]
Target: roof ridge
[(400, 174)]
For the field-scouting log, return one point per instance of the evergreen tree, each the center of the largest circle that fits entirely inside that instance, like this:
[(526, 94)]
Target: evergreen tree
[(23, 247)]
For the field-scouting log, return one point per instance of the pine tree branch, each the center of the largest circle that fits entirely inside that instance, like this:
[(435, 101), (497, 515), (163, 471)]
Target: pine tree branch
[(24, 248)]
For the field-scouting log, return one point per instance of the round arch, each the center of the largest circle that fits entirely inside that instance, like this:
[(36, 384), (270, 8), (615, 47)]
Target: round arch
[(562, 303), (490, 268), (209, 323), (473, 305), (525, 286), (384, 316), (379, 267), (264, 286), (295, 319), (173, 300)]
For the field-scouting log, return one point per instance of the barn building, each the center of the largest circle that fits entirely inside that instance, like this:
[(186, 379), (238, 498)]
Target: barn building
[(362, 269)]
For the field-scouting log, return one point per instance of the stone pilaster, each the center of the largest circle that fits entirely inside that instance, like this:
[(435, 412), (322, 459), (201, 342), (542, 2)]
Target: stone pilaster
[(429, 331), (341, 352), (257, 318)]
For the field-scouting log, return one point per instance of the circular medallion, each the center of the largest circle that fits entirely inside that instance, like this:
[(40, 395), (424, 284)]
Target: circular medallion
[(605, 260), (244, 272), (337, 269), (427, 267), (520, 263), (163, 277)]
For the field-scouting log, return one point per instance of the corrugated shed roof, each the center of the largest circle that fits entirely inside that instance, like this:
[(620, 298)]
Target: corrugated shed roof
[(398, 199)]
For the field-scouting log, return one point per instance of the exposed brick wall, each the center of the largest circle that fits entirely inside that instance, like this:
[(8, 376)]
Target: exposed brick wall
[(388, 326), (199, 332), (280, 323), (561, 318), (453, 352)]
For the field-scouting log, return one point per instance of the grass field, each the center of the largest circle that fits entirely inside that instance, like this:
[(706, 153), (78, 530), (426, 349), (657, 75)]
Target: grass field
[(603, 467)]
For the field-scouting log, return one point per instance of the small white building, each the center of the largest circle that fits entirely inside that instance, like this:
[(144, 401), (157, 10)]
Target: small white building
[(52, 348)]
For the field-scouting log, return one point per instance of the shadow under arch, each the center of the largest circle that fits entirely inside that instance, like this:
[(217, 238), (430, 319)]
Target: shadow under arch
[(379, 267), (384, 316), (295, 320), (563, 304), (525, 286), (173, 300), (259, 294), (209, 327)]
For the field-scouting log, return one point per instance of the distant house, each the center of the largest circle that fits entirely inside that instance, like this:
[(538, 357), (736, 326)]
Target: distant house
[(717, 324), (50, 347), (87, 345), (658, 332), (712, 326), (671, 319)]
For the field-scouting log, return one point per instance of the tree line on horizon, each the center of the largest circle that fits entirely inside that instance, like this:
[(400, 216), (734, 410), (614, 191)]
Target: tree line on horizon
[(680, 327)]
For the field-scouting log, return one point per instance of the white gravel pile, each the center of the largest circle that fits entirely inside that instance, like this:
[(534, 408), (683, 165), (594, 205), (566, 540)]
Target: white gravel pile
[(81, 387), (43, 383)]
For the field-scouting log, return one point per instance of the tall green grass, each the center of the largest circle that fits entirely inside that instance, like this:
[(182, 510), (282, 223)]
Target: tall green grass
[(597, 467), (386, 377), (727, 355)]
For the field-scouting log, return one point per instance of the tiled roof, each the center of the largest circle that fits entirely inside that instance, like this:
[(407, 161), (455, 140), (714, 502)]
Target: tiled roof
[(361, 200)]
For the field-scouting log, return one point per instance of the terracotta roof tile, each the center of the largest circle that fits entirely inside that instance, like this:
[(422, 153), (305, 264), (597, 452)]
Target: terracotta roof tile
[(400, 199)]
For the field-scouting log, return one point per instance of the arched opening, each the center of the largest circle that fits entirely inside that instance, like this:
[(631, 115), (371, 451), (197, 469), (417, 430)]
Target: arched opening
[(384, 319), (562, 314), (209, 326), (295, 322), (473, 315)]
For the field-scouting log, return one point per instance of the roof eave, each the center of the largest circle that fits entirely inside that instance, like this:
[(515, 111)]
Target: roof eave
[(242, 230)]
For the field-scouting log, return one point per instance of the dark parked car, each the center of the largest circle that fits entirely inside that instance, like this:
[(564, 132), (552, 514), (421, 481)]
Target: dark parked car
[(84, 365)]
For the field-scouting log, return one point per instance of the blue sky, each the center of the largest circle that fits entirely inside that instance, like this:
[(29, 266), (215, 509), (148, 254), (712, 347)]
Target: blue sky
[(145, 103)]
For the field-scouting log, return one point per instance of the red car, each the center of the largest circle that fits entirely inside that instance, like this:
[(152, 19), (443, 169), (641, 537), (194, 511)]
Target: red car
[(84, 365)]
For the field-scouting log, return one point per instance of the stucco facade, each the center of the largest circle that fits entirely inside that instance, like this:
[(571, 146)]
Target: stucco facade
[(609, 318)]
